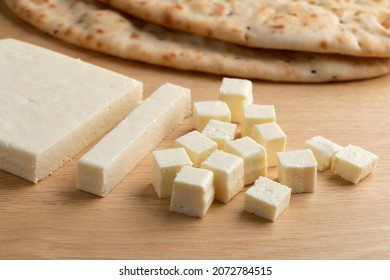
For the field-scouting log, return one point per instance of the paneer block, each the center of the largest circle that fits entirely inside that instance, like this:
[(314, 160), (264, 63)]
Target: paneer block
[(113, 157), (256, 114), (272, 138), (220, 132), (197, 146), (228, 172), (267, 199), (53, 106), (166, 164), (254, 156), (206, 110), (236, 93), (298, 170), (353, 163), (323, 150), (193, 192)]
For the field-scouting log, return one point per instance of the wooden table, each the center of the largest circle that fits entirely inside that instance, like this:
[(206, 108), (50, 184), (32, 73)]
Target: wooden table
[(53, 220)]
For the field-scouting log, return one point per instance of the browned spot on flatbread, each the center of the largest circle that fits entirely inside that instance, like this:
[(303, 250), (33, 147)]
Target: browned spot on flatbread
[(90, 37), (135, 36), (41, 16), (220, 10), (386, 23), (288, 70), (278, 26), (168, 18), (69, 31), (324, 45), (169, 57), (210, 32), (99, 31), (341, 39), (170, 12)]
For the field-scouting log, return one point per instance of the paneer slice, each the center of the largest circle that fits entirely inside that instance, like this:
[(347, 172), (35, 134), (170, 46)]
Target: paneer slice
[(111, 159), (53, 106)]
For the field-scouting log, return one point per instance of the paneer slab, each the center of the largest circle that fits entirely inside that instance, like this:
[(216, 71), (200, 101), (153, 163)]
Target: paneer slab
[(52, 106), (106, 164)]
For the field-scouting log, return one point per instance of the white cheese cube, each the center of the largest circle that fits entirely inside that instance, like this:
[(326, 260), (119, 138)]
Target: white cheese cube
[(354, 163), (254, 156), (323, 150), (193, 192), (256, 114), (236, 93), (52, 106), (166, 164), (298, 170), (111, 159), (197, 146), (228, 172), (220, 132), (272, 137), (206, 110), (267, 199)]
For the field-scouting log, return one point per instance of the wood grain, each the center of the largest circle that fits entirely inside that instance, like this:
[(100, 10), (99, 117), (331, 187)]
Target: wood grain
[(53, 220)]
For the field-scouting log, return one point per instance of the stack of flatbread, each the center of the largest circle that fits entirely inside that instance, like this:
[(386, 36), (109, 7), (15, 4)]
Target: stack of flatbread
[(278, 40)]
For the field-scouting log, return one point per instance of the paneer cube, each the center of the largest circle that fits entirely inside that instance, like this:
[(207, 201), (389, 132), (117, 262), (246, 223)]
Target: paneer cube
[(228, 172), (272, 137), (354, 163), (197, 146), (193, 192), (220, 132), (323, 150), (256, 114), (203, 111), (166, 164), (254, 156), (298, 170), (267, 198), (236, 93)]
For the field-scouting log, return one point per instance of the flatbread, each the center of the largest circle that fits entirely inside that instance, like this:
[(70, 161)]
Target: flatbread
[(89, 24), (360, 27)]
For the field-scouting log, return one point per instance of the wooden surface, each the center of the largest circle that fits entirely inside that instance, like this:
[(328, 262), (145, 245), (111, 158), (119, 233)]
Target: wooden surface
[(53, 220)]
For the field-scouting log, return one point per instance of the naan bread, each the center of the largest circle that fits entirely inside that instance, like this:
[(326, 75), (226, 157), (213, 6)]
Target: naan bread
[(359, 27), (91, 25)]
